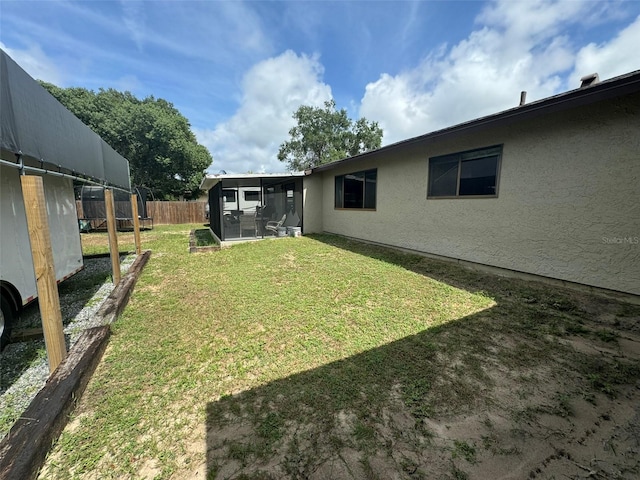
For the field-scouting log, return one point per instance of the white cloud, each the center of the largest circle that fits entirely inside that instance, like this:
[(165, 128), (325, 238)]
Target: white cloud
[(534, 20), (128, 83), (134, 20), (216, 31), (272, 90), (36, 63), (618, 56), (516, 46)]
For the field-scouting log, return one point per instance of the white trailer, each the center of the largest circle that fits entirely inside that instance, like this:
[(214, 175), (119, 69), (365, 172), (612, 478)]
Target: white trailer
[(39, 136), (17, 277)]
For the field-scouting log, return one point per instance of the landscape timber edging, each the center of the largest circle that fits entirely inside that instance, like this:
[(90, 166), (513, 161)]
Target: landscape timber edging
[(115, 303), (194, 248), (24, 449)]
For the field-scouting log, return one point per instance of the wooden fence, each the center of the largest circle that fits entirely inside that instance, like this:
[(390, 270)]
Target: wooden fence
[(169, 212), (176, 212)]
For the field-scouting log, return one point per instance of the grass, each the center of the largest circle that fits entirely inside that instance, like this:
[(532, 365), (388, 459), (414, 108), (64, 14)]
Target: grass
[(96, 243), (464, 450), (204, 238), (296, 351)]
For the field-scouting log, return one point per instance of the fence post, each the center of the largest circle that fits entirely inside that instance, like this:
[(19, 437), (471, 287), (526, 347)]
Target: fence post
[(136, 223), (113, 237), (44, 269)]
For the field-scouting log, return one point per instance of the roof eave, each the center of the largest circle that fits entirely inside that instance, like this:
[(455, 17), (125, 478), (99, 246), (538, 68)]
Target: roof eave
[(210, 180), (616, 87)]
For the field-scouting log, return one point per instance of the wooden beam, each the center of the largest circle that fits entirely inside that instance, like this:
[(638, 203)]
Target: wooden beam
[(26, 334), (136, 223), (44, 268), (117, 300), (24, 449), (113, 236)]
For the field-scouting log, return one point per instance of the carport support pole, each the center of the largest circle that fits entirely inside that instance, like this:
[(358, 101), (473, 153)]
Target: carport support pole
[(40, 240), (113, 237), (136, 223)]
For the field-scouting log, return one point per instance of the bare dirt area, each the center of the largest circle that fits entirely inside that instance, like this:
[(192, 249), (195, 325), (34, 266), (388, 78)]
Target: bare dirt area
[(545, 385)]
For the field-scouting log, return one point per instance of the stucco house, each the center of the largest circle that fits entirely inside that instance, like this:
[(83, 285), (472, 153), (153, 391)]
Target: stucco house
[(549, 189)]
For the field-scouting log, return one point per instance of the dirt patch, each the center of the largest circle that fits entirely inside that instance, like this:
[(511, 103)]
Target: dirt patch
[(550, 391)]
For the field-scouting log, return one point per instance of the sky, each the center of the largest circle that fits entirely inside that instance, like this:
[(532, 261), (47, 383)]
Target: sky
[(238, 70)]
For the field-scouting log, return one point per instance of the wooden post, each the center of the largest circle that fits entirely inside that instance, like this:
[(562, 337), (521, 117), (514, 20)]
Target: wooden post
[(44, 268), (113, 237), (136, 223)]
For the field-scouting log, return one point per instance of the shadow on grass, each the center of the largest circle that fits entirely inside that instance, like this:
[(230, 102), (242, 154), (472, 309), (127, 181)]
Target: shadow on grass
[(300, 426), (364, 416), (203, 238), (443, 271)]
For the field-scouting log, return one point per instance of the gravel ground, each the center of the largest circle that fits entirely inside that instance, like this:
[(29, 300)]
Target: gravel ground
[(23, 365)]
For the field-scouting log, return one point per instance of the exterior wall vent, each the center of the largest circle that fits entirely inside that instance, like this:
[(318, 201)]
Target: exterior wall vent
[(589, 80)]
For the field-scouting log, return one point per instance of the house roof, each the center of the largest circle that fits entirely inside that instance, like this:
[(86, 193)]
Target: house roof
[(245, 179), (596, 92)]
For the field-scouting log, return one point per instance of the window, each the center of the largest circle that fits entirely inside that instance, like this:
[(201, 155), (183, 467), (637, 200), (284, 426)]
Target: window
[(356, 190), (252, 196), (229, 195), (465, 174)]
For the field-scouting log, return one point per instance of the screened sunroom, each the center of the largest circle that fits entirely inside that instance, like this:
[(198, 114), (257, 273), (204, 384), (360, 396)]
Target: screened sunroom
[(253, 206)]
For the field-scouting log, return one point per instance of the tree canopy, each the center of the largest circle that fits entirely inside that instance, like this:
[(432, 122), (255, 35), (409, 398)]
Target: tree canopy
[(323, 135), (163, 152)]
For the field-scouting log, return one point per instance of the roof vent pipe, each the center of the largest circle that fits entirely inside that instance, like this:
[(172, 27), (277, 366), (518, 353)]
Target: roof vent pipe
[(523, 97), (589, 80)]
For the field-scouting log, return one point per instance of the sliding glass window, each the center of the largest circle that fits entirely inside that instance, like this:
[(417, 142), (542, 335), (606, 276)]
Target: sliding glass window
[(466, 174), (356, 190)]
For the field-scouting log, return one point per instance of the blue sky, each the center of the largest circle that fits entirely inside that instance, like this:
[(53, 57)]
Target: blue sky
[(238, 70)]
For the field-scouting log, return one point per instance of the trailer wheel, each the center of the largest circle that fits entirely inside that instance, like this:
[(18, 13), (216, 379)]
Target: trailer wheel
[(6, 319)]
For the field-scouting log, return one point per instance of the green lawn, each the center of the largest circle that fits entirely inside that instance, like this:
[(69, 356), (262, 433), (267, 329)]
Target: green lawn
[(318, 357), (96, 243)]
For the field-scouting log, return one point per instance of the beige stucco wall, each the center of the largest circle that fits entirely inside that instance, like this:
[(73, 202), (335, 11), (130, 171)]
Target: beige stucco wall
[(568, 205), (312, 193)]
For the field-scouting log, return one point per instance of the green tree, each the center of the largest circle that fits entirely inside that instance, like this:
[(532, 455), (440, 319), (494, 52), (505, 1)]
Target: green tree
[(163, 152), (323, 135)]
